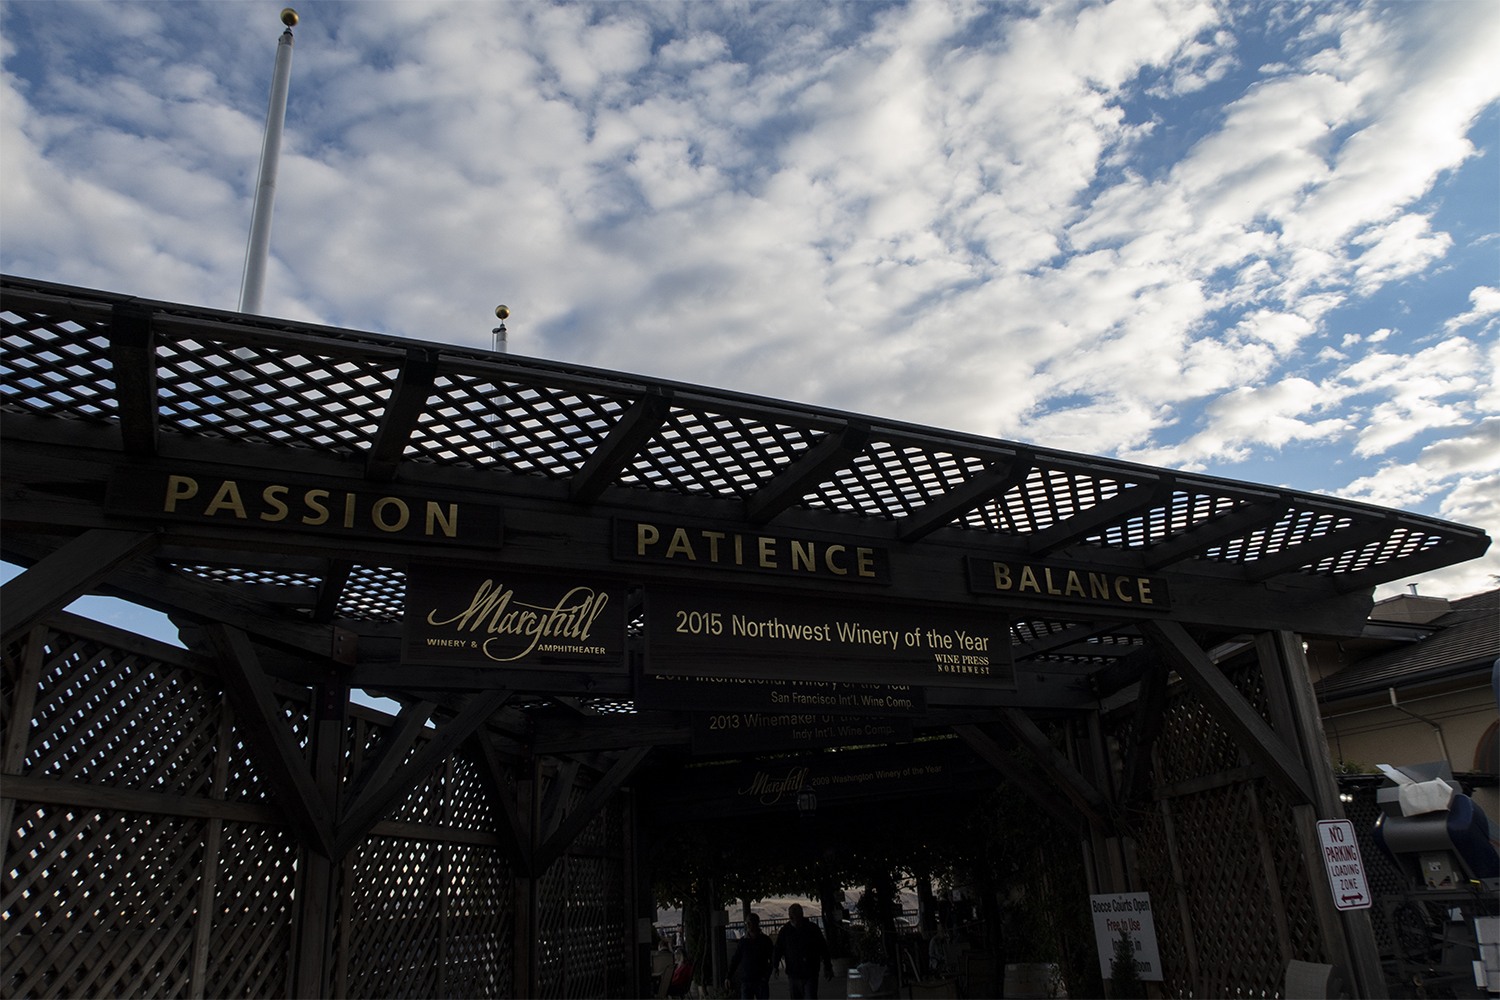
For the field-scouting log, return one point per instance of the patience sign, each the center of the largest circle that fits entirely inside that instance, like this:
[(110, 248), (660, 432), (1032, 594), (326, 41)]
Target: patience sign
[(733, 633)]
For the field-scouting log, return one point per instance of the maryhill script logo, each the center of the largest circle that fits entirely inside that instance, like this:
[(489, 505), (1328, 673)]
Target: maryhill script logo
[(768, 790), (508, 619)]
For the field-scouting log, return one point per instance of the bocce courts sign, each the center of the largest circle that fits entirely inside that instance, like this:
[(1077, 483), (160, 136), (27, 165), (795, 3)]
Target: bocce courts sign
[(499, 618)]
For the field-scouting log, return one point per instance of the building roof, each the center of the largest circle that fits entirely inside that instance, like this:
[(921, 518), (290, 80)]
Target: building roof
[(1465, 640)]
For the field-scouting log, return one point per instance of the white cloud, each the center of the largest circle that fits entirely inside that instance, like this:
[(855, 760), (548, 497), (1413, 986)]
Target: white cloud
[(1486, 302), (1096, 226)]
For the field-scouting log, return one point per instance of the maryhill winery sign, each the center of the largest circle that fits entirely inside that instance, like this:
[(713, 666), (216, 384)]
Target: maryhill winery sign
[(705, 632), (499, 618), (301, 505)]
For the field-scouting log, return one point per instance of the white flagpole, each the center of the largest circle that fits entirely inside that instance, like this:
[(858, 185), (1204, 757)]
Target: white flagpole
[(259, 249)]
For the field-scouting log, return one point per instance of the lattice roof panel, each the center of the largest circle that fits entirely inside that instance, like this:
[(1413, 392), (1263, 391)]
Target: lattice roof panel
[(894, 480), (155, 369)]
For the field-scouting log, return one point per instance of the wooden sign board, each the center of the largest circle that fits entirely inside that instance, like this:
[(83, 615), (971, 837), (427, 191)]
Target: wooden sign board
[(771, 697), (458, 616), (768, 786), (721, 633), (301, 506), (761, 732)]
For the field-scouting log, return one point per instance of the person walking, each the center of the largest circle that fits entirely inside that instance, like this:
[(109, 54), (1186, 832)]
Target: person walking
[(752, 960), (801, 946)]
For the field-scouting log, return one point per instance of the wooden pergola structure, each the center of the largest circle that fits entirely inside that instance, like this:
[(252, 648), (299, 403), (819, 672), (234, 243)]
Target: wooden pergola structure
[(314, 506)]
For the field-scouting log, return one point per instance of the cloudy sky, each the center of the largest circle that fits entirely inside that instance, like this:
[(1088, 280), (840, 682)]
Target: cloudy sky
[(1258, 240)]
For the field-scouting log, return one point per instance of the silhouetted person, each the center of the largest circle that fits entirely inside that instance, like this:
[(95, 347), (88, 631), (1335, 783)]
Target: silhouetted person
[(682, 975), (801, 946), (753, 961)]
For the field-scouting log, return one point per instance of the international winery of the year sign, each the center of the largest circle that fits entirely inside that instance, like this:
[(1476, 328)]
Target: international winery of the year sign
[(704, 632), (498, 618)]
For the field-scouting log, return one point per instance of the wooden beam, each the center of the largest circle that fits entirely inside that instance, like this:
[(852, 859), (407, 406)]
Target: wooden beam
[(1070, 636), (1146, 495), (264, 724), (555, 800), (376, 799), (67, 573), (813, 467), (1087, 799), (413, 387), (639, 424), (395, 746), (1228, 526), (1150, 714), (1449, 552), (996, 480), (1294, 557), (331, 590), (1033, 785), (1252, 732), (596, 799), (132, 356), (505, 793)]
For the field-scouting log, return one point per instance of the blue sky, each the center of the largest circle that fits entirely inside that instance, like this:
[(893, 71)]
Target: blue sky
[(1258, 240)]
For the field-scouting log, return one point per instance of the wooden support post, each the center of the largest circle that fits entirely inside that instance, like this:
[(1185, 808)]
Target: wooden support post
[(1234, 713), (319, 881), (1294, 707), (213, 844), (18, 729)]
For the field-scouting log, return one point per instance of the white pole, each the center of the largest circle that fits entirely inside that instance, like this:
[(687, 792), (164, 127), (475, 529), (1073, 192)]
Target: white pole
[(254, 280)]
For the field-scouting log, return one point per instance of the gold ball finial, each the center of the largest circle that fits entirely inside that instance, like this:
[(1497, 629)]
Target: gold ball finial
[(289, 17), (502, 313)]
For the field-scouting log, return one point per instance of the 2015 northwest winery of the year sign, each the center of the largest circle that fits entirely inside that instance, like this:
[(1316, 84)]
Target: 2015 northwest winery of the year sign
[(704, 632)]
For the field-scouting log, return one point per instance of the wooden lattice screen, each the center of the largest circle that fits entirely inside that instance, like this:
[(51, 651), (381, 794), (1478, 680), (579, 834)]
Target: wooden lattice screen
[(1220, 855), (144, 854)]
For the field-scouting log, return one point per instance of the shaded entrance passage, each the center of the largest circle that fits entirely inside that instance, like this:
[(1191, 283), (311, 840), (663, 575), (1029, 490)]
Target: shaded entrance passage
[(577, 587)]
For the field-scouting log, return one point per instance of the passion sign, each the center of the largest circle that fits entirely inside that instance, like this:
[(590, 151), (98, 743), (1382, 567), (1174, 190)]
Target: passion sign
[(301, 505), (500, 618), (703, 632)]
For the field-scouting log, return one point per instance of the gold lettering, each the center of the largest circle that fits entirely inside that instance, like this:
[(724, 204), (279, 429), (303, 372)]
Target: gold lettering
[(313, 499), (767, 546), (865, 562), (804, 556), (714, 538), (1028, 581), (349, 499), (1002, 576), (1074, 585), (272, 495), (448, 523), (646, 535), (179, 488), (1099, 586), (680, 545), (1143, 587), (1047, 575), (832, 566), (377, 513), (228, 498), (1120, 582)]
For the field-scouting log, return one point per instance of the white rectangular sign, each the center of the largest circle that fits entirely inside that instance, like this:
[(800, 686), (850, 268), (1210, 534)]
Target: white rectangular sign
[(1129, 912), (1346, 872)]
